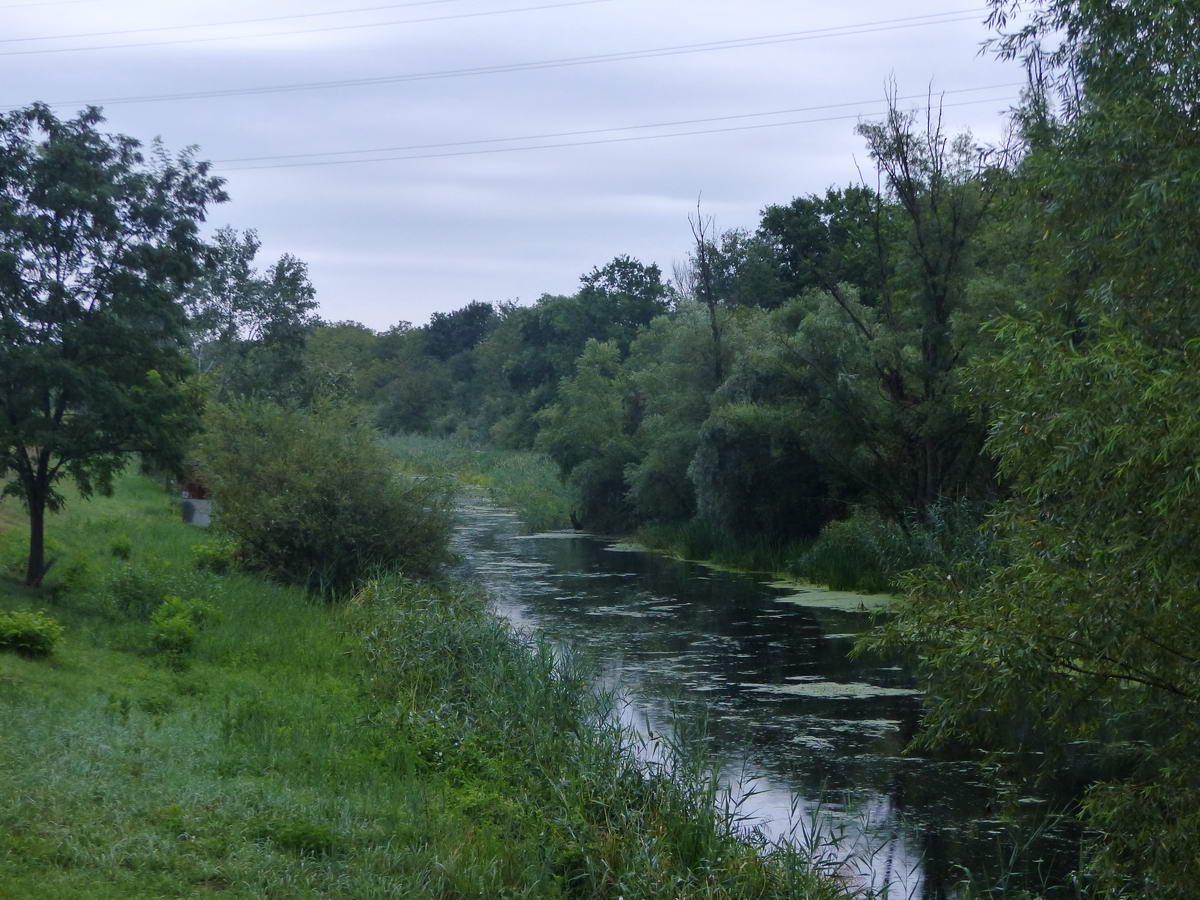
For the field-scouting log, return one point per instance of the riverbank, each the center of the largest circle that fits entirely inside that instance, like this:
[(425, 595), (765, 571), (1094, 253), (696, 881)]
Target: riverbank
[(517, 479), (528, 482), (402, 745)]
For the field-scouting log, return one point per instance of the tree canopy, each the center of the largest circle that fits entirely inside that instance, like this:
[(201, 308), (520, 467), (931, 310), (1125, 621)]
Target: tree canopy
[(98, 240)]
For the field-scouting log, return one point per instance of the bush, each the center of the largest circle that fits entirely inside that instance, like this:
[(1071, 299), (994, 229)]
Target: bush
[(311, 497), (217, 557), (137, 590), (867, 552), (121, 547), (863, 552), (176, 624), (32, 634)]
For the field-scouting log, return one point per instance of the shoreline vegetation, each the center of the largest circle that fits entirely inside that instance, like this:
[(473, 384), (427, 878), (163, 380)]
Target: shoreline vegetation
[(863, 554), (402, 743)]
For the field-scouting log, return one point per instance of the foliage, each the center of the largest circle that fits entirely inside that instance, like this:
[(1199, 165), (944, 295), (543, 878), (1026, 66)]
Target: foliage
[(867, 552), (312, 498), (28, 633), (176, 624), (405, 745), (671, 368), (218, 556), (588, 434), (136, 589), (1084, 643), (340, 357), (248, 328), (449, 334), (521, 480), (846, 237), (97, 243)]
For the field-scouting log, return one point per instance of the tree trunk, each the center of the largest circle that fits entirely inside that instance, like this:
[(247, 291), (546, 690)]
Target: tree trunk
[(37, 539)]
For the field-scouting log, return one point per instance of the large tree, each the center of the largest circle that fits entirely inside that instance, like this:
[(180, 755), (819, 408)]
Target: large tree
[(97, 242)]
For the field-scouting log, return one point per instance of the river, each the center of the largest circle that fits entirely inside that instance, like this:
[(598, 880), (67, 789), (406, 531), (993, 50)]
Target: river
[(810, 742)]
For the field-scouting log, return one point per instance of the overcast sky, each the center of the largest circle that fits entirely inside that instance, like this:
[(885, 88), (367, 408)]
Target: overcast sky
[(399, 239)]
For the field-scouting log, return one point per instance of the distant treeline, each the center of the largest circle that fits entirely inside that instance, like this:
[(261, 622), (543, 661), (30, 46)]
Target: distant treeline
[(782, 377)]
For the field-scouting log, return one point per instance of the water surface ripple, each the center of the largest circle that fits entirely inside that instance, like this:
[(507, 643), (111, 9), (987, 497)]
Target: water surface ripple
[(786, 711)]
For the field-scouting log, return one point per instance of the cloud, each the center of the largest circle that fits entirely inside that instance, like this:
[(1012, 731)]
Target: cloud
[(401, 239)]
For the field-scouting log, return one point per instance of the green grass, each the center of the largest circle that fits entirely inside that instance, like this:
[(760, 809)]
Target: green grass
[(522, 480), (403, 745)]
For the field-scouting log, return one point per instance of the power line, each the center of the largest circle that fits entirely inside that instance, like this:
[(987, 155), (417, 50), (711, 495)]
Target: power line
[(615, 140), (46, 3), (564, 134), (260, 20), (883, 25), (323, 30)]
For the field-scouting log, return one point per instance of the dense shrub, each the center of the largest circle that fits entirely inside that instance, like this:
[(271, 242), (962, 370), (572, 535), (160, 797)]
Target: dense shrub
[(217, 556), (29, 633), (137, 590), (311, 497), (867, 552), (175, 625)]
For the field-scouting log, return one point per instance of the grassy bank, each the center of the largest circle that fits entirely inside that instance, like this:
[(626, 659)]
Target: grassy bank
[(402, 745), (521, 480), (693, 541)]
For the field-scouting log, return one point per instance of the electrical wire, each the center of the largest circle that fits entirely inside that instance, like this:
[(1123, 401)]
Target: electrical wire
[(46, 3), (616, 140), (260, 20), (323, 30), (883, 25), (589, 131)]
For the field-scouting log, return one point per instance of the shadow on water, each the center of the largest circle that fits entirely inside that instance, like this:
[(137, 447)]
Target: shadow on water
[(806, 737)]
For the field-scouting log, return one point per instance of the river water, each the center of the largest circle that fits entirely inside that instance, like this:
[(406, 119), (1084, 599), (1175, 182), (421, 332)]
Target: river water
[(809, 742)]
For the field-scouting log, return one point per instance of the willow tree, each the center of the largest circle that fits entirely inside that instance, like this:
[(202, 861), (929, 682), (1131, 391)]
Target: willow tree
[(97, 242), (1089, 637)]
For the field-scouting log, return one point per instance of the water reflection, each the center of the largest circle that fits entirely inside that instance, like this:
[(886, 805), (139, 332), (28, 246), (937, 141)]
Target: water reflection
[(797, 727)]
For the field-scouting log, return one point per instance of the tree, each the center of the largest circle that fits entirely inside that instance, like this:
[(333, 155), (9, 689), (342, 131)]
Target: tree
[(248, 328), (879, 370), (588, 433), (340, 356), (672, 372), (97, 243), (622, 297), (847, 236), (1087, 638), (706, 284), (452, 333)]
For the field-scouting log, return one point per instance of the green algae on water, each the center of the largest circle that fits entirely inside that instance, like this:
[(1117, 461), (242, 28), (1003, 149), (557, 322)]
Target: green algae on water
[(832, 690), (823, 598)]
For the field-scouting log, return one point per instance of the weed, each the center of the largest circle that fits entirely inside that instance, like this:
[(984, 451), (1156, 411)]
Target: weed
[(32, 634), (217, 556), (303, 838), (137, 590)]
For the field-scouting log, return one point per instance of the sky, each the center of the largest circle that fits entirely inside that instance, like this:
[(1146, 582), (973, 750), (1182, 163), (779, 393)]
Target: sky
[(513, 152)]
